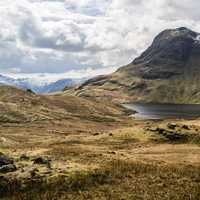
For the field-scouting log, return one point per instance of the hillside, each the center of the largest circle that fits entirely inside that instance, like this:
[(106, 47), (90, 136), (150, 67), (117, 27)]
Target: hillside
[(21, 106), (168, 71), (56, 147)]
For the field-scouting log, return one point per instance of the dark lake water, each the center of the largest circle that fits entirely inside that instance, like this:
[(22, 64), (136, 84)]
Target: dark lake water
[(164, 111)]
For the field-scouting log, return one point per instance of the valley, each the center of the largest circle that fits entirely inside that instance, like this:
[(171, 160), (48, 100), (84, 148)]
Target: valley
[(82, 143), (94, 150)]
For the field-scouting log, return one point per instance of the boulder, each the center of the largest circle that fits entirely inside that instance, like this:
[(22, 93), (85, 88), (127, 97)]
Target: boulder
[(24, 157), (172, 125), (5, 160), (160, 130), (8, 168), (152, 129), (186, 127), (42, 161)]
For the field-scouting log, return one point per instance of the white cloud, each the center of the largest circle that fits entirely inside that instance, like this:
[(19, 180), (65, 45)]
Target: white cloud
[(46, 78), (55, 36)]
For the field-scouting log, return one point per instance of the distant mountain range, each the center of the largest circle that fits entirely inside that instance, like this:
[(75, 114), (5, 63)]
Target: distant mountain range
[(167, 72), (25, 83)]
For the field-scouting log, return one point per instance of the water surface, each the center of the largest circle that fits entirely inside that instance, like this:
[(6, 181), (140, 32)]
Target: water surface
[(164, 111)]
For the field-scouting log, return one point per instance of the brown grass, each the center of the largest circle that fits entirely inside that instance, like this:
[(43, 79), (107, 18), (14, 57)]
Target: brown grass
[(97, 152), (121, 180)]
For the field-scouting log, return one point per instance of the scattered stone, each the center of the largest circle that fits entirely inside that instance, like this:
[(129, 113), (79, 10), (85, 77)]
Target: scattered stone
[(42, 161), (24, 157), (34, 172), (95, 134), (160, 130), (186, 127), (172, 125), (6, 164), (8, 168), (5, 160), (153, 129)]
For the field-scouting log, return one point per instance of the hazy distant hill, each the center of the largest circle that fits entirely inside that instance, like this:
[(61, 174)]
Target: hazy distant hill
[(25, 83), (168, 71)]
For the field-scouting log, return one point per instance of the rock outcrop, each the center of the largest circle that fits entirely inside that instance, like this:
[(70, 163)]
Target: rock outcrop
[(6, 164)]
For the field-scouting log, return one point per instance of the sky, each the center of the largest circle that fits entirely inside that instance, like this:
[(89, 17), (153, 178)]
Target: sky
[(79, 38)]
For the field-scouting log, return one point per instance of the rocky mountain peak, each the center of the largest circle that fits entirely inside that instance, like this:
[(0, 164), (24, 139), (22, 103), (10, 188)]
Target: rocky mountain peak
[(167, 72), (176, 33), (171, 42), (168, 54)]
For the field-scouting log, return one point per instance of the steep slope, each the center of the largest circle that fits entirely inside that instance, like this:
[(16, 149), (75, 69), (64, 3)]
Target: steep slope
[(168, 71)]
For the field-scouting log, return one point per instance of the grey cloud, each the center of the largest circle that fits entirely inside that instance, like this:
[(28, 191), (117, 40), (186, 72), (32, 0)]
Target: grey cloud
[(31, 34), (60, 35)]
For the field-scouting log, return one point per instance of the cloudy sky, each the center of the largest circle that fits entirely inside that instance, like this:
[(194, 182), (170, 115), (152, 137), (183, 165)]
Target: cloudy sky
[(84, 37)]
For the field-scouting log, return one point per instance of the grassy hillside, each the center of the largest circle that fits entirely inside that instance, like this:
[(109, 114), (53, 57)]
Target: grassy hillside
[(68, 147), (124, 86), (21, 106)]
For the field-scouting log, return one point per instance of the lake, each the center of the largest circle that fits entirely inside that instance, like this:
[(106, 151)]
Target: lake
[(164, 111)]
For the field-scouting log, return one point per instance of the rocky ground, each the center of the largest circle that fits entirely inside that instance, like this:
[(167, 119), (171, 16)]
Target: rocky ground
[(131, 159)]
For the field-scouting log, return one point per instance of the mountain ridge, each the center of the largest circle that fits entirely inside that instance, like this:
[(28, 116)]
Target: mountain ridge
[(25, 84), (167, 72)]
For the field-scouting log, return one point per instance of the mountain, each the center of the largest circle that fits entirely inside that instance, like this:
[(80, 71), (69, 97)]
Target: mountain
[(168, 71), (25, 83), (59, 85), (4, 80), (56, 86)]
